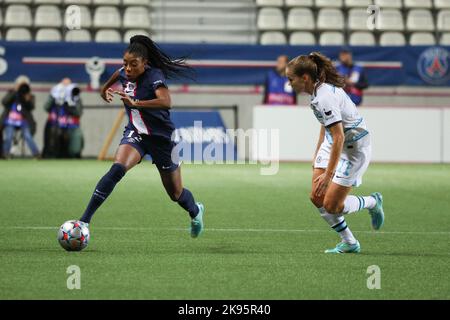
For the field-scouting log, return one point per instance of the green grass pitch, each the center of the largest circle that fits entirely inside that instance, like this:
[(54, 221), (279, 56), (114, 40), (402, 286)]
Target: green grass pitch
[(263, 238)]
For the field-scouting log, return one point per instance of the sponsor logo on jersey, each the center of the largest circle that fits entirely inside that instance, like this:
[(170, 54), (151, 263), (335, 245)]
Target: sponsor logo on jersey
[(130, 88)]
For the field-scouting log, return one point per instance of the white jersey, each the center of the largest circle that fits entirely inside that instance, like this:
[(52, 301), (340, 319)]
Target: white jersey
[(332, 105)]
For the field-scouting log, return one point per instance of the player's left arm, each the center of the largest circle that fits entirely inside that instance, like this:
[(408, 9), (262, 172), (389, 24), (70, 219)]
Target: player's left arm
[(322, 181), (162, 100)]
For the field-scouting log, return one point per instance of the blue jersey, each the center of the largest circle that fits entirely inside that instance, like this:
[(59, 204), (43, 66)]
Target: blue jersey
[(15, 117), (278, 90), (147, 121), (356, 74)]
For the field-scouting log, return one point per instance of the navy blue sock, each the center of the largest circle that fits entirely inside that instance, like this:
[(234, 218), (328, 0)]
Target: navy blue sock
[(186, 200), (103, 189)]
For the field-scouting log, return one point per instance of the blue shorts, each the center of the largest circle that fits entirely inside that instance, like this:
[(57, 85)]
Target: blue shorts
[(158, 147)]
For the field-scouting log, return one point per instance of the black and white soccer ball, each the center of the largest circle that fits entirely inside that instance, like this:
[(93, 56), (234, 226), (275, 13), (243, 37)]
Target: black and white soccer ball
[(73, 235)]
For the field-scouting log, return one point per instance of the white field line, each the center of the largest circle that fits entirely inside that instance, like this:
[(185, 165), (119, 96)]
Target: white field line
[(236, 230)]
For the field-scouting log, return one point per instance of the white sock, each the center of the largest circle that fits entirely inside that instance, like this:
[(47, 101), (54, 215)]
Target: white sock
[(337, 222), (357, 203)]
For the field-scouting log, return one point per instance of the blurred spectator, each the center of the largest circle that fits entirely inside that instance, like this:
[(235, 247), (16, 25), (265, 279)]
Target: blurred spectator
[(355, 77), (277, 89), (17, 115), (63, 137)]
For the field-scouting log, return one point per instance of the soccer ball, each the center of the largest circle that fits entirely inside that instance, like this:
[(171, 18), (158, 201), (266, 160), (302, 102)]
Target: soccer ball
[(73, 235)]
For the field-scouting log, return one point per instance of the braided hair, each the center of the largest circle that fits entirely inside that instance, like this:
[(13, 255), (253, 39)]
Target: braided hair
[(144, 47)]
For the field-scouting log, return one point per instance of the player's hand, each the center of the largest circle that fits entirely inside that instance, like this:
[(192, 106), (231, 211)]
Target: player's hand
[(321, 184), (107, 95), (125, 98)]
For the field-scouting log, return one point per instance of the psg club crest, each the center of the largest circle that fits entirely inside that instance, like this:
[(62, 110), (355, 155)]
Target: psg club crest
[(433, 66)]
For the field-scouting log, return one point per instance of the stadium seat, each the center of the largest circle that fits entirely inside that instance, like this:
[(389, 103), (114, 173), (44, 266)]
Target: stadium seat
[(273, 38), (108, 35), (300, 19), (18, 1), (85, 17), (329, 4), (107, 17), (48, 34), (445, 39), (331, 38), (422, 39), (81, 35), (18, 15), (390, 20), (357, 3), (419, 20), (392, 39), (357, 19), (80, 2), (443, 20), (300, 38), (18, 34), (269, 3), (330, 19), (189, 36), (442, 4), (128, 34), (136, 17), (55, 2), (115, 3), (144, 3), (396, 4), (361, 38), (47, 16), (299, 3), (418, 4), (270, 19)]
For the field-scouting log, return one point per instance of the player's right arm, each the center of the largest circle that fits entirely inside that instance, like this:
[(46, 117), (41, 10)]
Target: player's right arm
[(319, 142), (106, 92)]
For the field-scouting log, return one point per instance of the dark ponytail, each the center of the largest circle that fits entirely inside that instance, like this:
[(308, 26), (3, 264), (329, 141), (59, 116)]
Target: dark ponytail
[(144, 47), (319, 67)]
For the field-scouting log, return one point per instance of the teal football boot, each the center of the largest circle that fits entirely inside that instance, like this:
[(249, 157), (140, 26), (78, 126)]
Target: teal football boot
[(197, 222), (344, 247), (377, 212)]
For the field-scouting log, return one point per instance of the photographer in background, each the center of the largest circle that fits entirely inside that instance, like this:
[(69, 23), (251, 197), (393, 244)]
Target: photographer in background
[(354, 75), (63, 137), (277, 89), (18, 104)]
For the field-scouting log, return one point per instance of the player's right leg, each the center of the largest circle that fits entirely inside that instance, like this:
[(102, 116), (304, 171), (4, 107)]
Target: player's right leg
[(335, 221), (126, 158)]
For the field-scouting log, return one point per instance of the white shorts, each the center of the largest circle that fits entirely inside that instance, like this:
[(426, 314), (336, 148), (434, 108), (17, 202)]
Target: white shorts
[(353, 163)]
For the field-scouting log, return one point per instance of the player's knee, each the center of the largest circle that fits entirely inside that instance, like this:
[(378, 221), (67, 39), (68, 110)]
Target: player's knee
[(174, 194), (317, 201), (331, 207)]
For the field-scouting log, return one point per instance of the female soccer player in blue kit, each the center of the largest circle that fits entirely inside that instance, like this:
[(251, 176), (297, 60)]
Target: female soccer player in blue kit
[(147, 102), (343, 150)]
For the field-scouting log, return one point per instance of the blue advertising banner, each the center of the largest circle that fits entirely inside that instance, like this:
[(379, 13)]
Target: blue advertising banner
[(219, 64), (202, 136)]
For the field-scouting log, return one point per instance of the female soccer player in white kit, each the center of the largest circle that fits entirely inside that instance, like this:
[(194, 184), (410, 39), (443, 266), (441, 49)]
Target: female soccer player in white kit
[(343, 150)]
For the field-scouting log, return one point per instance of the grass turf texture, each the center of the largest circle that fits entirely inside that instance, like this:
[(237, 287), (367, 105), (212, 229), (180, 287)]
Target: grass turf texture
[(263, 238)]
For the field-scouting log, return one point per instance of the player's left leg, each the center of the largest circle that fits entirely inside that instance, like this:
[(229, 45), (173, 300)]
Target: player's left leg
[(172, 182), (333, 201)]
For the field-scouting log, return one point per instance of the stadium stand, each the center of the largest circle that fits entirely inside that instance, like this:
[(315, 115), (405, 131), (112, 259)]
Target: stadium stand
[(235, 21)]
